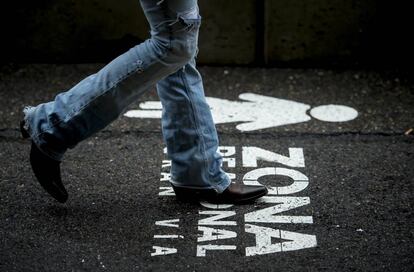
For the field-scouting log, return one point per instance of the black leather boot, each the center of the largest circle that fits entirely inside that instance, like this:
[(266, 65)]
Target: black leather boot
[(46, 170)]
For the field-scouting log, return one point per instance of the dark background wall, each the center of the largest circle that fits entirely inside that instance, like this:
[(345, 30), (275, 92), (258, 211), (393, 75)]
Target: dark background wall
[(240, 32)]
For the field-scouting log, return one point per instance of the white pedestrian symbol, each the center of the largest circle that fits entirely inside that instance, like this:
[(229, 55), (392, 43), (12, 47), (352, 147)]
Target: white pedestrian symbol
[(257, 111)]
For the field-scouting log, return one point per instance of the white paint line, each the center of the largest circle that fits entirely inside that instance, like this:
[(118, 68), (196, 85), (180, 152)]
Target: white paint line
[(166, 191), (202, 249), (168, 223), (168, 236), (163, 251), (166, 163), (215, 206), (144, 114), (150, 105)]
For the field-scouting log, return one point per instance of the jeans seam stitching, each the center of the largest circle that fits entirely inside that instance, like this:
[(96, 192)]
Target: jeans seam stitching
[(194, 110)]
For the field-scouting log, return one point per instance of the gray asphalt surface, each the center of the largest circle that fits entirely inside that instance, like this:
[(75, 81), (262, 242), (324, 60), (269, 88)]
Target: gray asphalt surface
[(360, 181)]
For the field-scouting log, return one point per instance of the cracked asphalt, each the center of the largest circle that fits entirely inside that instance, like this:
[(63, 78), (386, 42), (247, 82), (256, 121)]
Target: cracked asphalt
[(120, 217)]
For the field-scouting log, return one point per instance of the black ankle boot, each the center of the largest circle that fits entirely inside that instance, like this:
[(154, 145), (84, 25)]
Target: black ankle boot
[(46, 170)]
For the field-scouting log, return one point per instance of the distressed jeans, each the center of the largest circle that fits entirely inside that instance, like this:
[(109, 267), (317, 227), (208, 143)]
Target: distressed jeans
[(166, 59)]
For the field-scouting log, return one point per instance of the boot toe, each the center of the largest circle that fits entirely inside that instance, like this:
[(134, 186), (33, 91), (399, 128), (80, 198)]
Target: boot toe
[(47, 172)]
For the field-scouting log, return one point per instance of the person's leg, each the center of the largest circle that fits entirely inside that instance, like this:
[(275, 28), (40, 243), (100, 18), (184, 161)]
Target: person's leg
[(191, 137), (97, 100), (189, 132), (100, 98)]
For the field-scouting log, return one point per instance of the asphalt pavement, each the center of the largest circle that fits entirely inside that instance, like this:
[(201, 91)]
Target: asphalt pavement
[(335, 147)]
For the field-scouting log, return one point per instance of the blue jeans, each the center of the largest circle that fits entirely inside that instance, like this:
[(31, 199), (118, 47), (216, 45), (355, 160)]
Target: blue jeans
[(166, 59)]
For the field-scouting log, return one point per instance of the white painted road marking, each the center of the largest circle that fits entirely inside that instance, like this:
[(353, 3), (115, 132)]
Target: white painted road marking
[(252, 154), (218, 224), (168, 223), (168, 236), (202, 249), (334, 113), (257, 111), (285, 203), (163, 251), (264, 243)]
